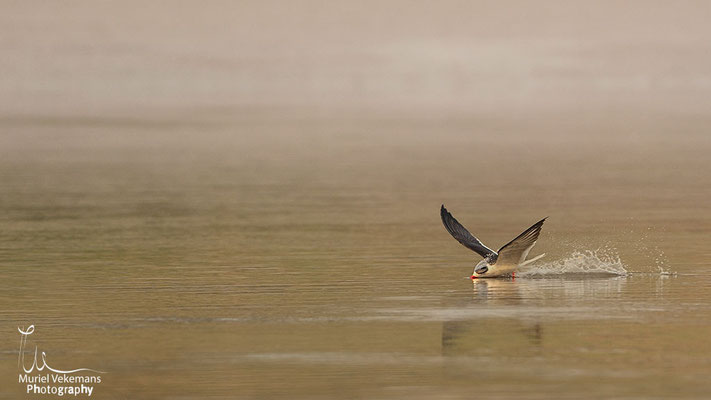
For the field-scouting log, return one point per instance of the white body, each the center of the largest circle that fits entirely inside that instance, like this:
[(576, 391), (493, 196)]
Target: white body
[(496, 271)]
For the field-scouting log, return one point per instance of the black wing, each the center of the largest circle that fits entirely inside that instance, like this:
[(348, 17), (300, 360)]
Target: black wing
[(516, 251), (463, 236)]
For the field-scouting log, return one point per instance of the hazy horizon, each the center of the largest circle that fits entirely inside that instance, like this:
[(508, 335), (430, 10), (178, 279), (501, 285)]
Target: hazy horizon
[(147, 59)]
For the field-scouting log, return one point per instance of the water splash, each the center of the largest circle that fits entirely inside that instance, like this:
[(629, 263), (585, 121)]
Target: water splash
[(664, 272), (579, 262)]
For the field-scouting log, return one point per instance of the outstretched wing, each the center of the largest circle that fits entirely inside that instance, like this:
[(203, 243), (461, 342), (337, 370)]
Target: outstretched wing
[(463, 236), (516, 251)]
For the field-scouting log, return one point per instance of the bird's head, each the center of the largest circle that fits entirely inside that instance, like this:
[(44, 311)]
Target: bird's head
[(481, 269)]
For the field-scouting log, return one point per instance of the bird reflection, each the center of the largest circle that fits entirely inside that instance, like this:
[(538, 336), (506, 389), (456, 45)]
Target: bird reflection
[(501, 291), (482, 334), (506, 316)]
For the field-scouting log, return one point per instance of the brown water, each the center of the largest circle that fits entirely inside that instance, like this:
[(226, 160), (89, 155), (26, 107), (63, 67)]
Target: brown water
[(237, 260), (241, 199)]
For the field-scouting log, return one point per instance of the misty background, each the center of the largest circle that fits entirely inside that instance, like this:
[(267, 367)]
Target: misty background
[(202, 60)]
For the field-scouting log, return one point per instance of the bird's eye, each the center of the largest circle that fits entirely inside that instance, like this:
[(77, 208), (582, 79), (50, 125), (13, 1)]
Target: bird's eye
[(482, 270)]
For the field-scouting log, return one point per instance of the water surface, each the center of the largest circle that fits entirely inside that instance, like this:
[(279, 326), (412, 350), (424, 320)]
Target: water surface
[(269, 257)]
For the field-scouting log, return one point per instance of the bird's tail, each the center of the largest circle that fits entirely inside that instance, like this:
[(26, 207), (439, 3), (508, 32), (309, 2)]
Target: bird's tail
[(532, 260)]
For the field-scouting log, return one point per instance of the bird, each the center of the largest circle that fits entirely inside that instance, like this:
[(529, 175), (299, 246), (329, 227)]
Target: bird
[(495, 263)]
